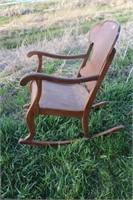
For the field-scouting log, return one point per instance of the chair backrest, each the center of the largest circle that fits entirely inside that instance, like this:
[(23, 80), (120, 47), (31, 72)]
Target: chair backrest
[(103, 36)]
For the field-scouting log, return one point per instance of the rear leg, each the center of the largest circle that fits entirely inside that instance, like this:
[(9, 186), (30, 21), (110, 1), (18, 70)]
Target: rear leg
[(85, 126)]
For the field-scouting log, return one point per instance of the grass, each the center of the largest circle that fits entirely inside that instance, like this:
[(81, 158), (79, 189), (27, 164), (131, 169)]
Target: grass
[(99, 168), (29, 36), (95, 169)]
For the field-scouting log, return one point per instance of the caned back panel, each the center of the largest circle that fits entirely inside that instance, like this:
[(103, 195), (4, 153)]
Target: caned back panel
[(104, 37)]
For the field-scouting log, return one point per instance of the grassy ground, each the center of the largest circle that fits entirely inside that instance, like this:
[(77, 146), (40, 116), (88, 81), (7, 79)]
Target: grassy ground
[(94, 169)]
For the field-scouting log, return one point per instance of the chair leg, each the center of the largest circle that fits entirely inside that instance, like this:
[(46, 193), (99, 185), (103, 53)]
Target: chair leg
[(31, 126), (85, 126), (29, 139)]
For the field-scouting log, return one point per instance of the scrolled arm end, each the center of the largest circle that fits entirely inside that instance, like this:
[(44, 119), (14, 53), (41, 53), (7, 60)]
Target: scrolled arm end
[(31, 53), (26, 78), (22, 81)]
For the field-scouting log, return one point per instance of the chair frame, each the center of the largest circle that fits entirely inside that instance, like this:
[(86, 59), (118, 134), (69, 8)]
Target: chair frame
[(38, 77)]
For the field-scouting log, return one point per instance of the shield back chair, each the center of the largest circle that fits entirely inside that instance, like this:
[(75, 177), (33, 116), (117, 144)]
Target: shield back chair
[(72, 97)]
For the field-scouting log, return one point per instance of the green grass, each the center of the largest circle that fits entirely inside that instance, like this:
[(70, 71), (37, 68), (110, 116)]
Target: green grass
[(4, 20), (95, 169), (98, 168), (124, 18), (40, 7), (18, 37)]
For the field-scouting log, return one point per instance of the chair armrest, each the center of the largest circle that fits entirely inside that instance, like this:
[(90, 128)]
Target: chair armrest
[(40, 76), (40, 53)]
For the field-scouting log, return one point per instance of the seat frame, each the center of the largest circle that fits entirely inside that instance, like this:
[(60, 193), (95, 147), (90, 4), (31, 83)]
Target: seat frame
[(38, 77)]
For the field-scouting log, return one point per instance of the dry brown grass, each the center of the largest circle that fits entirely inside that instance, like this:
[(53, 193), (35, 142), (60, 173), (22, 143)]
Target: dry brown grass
[(65, 12), (17, 63), (14, 62)]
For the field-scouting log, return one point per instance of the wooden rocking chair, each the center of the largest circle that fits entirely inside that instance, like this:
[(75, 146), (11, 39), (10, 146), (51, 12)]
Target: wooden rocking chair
[(68, 97)]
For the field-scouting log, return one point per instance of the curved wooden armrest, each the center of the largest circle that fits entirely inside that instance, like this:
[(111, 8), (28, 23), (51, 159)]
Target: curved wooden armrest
[(39, 76), (41, 53)]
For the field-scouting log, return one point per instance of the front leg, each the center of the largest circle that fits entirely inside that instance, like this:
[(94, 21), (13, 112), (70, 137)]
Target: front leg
[(30, 118)]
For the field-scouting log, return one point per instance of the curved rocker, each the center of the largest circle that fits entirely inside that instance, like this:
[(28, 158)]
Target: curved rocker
[(57, 143), (72, 97), (47, 143)]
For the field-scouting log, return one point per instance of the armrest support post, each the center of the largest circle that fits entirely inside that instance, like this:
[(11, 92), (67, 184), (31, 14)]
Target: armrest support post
[(39, 69)]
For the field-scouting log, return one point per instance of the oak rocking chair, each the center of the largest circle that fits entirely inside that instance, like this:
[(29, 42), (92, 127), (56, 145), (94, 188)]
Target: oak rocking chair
[(69, 97)]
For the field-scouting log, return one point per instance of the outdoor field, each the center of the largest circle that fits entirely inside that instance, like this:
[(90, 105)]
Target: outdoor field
[(98, 168)]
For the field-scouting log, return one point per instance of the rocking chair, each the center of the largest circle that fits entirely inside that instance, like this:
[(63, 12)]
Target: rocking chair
[(69, 97)]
